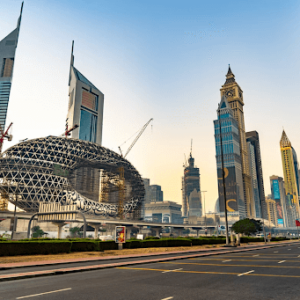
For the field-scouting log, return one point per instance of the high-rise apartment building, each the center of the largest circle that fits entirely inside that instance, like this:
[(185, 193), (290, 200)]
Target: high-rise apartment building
[(232, 160), (85, 107), (153, 192), (278, 195), (252, 139), (8, 47), (192, 193), (234, 95), (271, 210), (290, 169)]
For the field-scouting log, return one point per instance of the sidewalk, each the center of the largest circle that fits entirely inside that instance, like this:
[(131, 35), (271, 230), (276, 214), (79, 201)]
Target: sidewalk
[(201, 253)]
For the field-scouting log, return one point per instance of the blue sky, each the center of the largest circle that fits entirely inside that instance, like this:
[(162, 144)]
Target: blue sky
[(164, 60)]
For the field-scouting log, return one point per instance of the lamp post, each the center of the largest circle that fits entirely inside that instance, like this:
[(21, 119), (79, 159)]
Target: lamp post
[(15, 218), (204, 209), (223, 178)]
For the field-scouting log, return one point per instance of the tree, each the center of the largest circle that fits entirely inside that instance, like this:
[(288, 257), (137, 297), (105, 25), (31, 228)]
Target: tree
[(247, 226), (37, 232), (75, 231)]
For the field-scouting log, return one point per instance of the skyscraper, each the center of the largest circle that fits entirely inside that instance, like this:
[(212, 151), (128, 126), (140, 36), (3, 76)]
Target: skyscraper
[(8, 47), (232, 160), (289, 166), (234, 95), (271, 210), (85, 107), (192, 193), (278, 195), (252, 139)]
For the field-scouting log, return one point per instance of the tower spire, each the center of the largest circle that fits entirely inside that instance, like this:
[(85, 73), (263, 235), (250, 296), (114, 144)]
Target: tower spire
[(229, 76), (284, 141), (71, 62)]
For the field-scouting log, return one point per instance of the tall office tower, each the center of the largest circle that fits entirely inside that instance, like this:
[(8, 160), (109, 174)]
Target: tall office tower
[(234, 95), (155, 193), (85, 107), (271, 210), (288, 155), (252, 138), (7, 57), (191, 187), (232, 161), (278, 194)]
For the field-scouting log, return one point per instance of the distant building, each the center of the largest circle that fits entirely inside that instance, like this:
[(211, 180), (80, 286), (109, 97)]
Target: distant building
[(217, 206), (255, 164), (232, 161), (155, 193), (85, 107), (278, 195), (290, 172), (191, 190), (163, 212), (271, 210), (8, 47)]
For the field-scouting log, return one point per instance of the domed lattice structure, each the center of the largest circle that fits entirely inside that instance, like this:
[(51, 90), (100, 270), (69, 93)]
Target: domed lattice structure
[(43, 171)]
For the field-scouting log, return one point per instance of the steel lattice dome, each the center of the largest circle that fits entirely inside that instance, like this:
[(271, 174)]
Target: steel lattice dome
[(41, 170)]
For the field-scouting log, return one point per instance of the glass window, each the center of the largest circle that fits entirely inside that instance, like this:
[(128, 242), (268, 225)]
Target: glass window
[(88, 126)]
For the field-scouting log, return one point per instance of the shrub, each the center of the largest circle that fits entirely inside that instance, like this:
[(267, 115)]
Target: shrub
[(79, 246), (12, 248), (108, 245)]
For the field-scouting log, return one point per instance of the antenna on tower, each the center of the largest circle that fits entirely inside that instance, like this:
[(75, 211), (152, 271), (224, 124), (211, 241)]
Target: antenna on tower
[(191, 147)]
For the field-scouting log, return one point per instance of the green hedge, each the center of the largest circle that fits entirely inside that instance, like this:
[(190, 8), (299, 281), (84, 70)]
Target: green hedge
[(78, 246), (12, 248)]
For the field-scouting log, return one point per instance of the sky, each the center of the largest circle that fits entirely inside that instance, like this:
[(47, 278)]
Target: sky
[(165, 60)]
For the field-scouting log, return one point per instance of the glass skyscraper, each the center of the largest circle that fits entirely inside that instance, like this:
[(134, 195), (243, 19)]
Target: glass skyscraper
[(232, 161), (8, 47)]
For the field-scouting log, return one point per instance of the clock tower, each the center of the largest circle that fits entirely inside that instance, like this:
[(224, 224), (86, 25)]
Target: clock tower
[(234, 94)]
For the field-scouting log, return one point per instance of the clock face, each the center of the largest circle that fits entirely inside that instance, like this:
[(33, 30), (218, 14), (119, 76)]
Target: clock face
[(229, 94)]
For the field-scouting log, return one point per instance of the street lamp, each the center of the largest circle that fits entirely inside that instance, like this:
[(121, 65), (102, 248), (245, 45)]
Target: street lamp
[(223, 178), (204, 209)]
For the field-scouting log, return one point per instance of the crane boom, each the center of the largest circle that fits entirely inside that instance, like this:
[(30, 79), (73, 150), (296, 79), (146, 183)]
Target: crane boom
[(137, 137)]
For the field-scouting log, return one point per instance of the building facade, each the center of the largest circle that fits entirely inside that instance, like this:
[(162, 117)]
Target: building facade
[(278, 195), (232, 160), (290, 178), (234, 95), (252, 138), (163, 212), (192, 192), (8, 47), (85, 107), (271, 211)]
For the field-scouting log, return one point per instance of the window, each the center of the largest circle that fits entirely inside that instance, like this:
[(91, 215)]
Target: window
[(7, 68), (88, 126), (89, 100)]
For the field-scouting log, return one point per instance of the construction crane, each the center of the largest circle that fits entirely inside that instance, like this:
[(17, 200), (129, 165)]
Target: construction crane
[(135, 140), (68, 131), (121, 172), (4, 135)]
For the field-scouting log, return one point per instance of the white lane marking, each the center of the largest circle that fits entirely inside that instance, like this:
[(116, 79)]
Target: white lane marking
[(256, 255), (172, 270), (298, 255), (289, 249), (35, 295), (246, 273), (275, 251), (167, 298), (281, 261), (226, 260)]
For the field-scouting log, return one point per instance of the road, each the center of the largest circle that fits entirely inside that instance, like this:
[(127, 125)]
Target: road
[(272, 273)]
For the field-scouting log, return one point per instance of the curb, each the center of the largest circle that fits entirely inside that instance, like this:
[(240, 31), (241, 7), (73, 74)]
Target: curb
[(17, 276)]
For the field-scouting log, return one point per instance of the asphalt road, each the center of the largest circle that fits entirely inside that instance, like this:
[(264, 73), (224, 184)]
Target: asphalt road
[(261, 274)]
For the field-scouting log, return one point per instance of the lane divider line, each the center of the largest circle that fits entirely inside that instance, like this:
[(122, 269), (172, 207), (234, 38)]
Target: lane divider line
[(246, 273), (255, 255), (167, 298), (280, 262), (226, 260), (172, 270), (35, 295)]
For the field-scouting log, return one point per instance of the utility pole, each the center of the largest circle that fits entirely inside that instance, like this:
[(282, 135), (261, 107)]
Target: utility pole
[(224, 188), (204, 209)]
